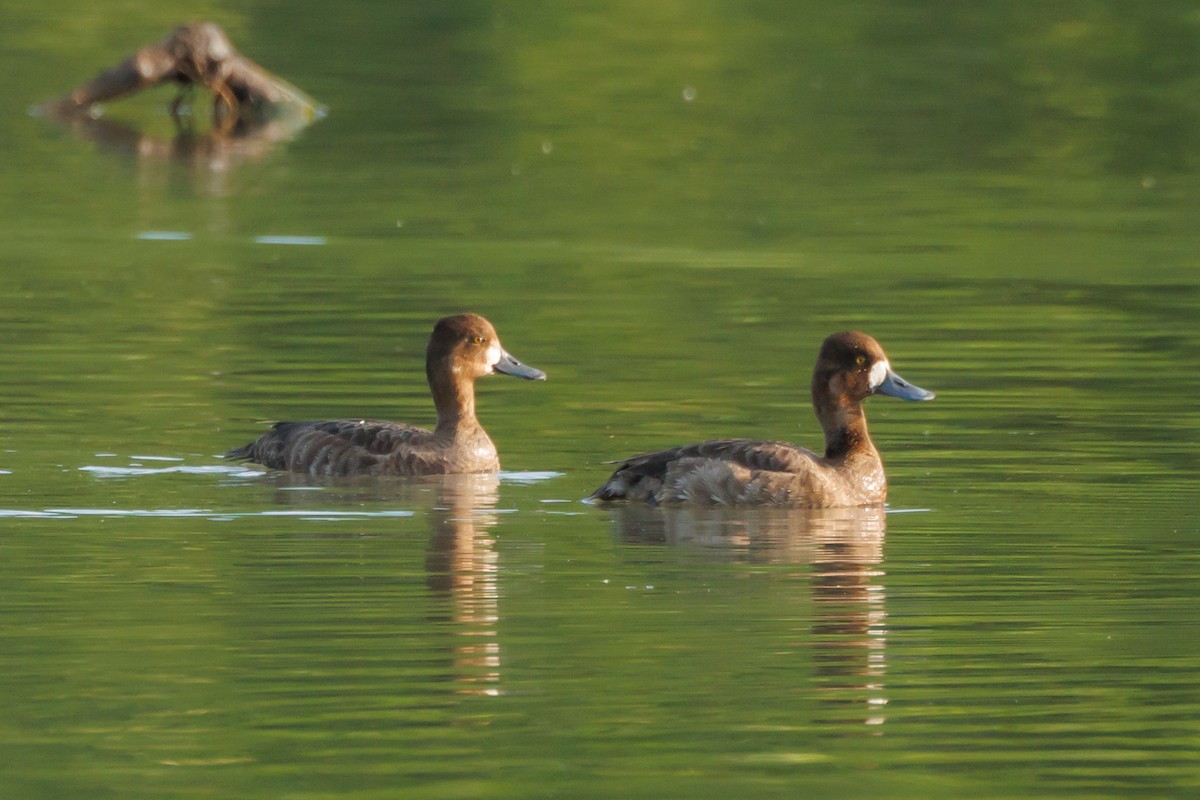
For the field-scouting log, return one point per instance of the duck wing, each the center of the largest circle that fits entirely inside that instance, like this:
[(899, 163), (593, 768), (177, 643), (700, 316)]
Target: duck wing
[(339, 447), (642, 477)]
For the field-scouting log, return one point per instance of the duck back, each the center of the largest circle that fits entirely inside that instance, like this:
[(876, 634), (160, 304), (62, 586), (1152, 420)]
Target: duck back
[(343, 447), (724, 472)]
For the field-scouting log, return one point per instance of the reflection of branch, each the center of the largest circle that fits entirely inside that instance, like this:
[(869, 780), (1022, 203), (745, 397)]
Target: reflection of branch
[(213, 151), (198, 53)]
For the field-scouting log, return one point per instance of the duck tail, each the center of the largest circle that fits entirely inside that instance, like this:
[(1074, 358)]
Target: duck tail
[(243, 453)]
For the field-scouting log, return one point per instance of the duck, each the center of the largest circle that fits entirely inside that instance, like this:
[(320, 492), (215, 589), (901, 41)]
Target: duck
[(851, 366), (462, 348)]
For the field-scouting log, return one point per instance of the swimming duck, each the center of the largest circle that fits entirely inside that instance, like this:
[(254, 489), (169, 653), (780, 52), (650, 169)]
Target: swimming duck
[(461, 349), (850, 368)]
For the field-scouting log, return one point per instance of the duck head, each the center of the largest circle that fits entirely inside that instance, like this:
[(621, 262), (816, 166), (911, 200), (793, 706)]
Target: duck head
[(466, 347), (850, 368)]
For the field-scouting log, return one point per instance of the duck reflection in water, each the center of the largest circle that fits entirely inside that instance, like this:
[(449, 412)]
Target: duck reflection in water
[(843, 549), (461, 566), (461, 562)]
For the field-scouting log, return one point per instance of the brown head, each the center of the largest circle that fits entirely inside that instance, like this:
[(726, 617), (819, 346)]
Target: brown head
[(850, 368), (467, 347), (461, 349)]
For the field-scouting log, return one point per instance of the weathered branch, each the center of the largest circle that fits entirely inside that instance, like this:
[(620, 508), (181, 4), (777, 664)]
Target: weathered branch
[(198, 53)]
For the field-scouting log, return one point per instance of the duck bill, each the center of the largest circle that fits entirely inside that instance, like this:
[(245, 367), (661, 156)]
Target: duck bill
[(508, 365), (895, 386)]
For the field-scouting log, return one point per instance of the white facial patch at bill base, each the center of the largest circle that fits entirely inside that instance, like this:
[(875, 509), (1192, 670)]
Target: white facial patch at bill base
[(495, 351), (879, 371)]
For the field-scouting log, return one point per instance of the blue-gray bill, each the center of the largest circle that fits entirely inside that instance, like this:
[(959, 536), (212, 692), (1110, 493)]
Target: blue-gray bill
[(510, 366), (895, 386)]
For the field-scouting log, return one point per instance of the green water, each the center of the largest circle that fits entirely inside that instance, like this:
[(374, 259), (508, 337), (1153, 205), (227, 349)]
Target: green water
[(666, 206)]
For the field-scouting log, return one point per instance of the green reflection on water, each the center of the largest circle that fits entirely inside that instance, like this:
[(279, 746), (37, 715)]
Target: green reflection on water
[(667, 207)]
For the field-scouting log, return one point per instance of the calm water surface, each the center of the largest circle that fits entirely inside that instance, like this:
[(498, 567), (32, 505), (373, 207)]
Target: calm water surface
[(666, 208)]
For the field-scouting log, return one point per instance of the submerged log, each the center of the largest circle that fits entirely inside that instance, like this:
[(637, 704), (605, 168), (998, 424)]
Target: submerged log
[(195, 54)]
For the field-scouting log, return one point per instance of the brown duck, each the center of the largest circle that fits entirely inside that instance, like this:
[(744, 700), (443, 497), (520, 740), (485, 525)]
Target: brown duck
[(461, 349), (850, 368)]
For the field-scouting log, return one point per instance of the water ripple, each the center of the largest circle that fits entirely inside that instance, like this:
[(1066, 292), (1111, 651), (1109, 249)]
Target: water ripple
[(133, 471), (291, 240), (198, 513), (529, 477), (522, 478)]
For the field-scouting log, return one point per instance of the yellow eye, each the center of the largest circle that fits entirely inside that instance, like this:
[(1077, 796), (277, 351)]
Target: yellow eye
[(860, 360), (476, 340)]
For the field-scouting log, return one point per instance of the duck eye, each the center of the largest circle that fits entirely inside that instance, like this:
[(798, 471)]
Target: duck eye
[(860, 360), (476, 340)]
